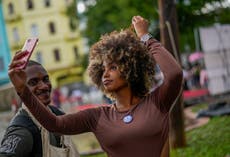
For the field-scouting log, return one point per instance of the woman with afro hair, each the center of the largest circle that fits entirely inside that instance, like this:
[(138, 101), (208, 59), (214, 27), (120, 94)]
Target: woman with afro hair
[(121, 65)]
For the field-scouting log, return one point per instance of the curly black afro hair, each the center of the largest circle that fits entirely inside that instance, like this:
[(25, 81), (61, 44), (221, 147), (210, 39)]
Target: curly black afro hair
[(130, 54)]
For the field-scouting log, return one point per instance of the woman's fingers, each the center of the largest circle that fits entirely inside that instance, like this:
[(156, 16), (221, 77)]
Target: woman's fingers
[(16, 63), (137, 18), (19, 54), (16, 60), (141, 25)]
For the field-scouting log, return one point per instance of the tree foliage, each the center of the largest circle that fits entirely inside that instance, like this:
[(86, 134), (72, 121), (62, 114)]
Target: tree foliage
[(197, 14), (106, 15)]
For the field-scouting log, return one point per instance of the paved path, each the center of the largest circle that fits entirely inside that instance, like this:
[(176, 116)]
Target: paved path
[(191, 122)]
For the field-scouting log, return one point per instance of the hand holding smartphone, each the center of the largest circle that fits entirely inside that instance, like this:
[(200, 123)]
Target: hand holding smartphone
[(27, 49)]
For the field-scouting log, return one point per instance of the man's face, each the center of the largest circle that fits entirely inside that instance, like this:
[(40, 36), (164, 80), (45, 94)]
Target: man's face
[(39, 83)]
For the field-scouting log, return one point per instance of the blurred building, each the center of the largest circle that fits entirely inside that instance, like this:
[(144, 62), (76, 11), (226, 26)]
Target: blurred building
[(60, 46), (4, 51), (215, 44)]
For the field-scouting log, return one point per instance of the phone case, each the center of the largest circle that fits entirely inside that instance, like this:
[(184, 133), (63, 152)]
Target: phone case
[(28, 49)]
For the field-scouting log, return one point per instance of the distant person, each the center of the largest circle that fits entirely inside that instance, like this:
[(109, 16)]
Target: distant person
[(76, 96), (204, 78), (187, 75), (56, 96), (196, 75), (24, 136), (107, 100), (14, 105), (122, 65)]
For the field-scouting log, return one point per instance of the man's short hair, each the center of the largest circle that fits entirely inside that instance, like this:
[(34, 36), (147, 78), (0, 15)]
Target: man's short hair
[(32, 62)]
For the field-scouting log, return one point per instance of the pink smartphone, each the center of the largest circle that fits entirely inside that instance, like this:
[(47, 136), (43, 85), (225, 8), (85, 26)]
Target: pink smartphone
[(28, 49)]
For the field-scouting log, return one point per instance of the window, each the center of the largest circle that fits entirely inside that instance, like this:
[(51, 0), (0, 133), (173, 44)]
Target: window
[(15, 35), (47, 3), (30, 4), (72, 24), (52, 28), (10, 8), (1, 64), (39, 57), (34, 30), (67, 2), (57, 55), (76, 53)]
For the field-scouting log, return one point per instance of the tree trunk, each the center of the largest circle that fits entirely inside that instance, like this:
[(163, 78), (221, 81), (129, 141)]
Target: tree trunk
[(169, 38)]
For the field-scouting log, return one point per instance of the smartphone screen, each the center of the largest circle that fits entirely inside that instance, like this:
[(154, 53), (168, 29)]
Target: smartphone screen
[(27, 49)]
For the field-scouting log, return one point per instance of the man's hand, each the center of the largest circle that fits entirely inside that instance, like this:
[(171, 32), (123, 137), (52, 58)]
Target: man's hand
[(17, 75), (141, 25)]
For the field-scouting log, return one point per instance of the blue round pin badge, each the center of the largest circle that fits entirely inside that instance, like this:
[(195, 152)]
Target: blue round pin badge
[(127, 119)]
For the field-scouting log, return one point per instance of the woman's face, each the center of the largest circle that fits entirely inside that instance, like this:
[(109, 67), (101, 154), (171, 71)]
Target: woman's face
[(112, 79)]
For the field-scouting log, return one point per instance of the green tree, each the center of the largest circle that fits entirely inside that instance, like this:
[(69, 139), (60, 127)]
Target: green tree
[(199, 13), (106, 16)]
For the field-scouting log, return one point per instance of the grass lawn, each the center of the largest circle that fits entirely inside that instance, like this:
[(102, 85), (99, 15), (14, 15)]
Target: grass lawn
[(99, 155), (86, 142), (210, 140), (198, 107)]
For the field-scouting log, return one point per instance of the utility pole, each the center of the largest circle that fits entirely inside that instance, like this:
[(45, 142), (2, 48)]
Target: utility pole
[(169, 38)]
